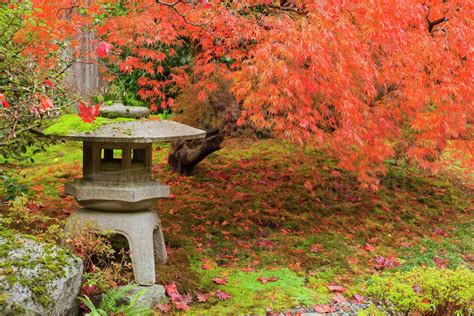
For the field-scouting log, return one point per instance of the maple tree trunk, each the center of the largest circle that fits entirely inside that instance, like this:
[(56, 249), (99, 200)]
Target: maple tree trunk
[(183, 158)]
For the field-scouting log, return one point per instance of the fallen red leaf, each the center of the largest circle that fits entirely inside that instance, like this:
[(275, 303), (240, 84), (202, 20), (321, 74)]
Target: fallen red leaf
[(265, 280), (358, 299), (416, 288), (324, 308), (338, 298), (441, 263), (336, 288), (207, 264), (164, 308), (171, 289), (368, 247), (317, 248), (220, 280), (265, 243), (181, 305), (381, 263), (202, 297), (223, 295)]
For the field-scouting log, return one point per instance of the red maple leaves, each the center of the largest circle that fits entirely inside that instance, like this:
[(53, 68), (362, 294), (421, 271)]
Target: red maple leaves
[(44, 105), (381, 263), (357, 80), (223, 295), (103, 49), (316, 248), (88, 113), (368, 247), (265, 280), (4, 101), (220, 281), (181, 302)]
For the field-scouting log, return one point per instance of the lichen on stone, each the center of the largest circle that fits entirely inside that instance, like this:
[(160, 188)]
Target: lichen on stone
[(30, 272)]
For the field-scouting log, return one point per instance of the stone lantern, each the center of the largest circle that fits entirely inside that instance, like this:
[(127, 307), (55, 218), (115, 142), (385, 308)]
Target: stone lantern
[(117, 191)]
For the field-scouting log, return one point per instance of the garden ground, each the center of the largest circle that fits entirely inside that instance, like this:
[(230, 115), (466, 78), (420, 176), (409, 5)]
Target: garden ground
[(270, 209)]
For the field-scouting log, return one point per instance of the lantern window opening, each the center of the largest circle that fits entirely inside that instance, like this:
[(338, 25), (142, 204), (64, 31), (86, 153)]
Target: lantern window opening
[(111, 159)]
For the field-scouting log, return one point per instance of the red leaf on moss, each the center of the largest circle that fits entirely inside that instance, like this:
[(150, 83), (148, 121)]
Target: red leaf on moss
[(265, 243), (223, 295), (181, 306), (202, 297), (381, 263), (441, 263), (265, 280), (416, 288), (220, 280), (207, 264), (317, 248), (336, 288), (368, 247)]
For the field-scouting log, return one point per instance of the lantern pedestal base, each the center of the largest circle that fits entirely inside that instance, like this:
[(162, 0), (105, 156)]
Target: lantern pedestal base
[(142, 230)]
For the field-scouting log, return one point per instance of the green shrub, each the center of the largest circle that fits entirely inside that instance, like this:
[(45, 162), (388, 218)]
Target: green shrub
[(425, 291), (22, 83)]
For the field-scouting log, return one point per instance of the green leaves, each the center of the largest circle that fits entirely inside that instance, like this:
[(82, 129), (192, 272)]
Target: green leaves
[(427, 291), (110, 303)]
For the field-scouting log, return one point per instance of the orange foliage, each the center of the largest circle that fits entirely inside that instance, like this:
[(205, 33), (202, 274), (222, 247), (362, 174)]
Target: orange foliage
[(359, 77)]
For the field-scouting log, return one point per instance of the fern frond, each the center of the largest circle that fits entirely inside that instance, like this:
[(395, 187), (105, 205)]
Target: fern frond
[(93, 310), (110, 299), (136, 297)]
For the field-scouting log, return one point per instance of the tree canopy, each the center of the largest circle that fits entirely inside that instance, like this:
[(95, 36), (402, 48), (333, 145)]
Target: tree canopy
[(368, 80)]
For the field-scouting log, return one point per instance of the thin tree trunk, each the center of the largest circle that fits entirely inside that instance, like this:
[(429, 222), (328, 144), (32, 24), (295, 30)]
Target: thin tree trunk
[(183, 158)]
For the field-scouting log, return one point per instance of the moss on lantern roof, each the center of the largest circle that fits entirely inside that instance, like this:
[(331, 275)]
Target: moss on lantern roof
[(72, 123)]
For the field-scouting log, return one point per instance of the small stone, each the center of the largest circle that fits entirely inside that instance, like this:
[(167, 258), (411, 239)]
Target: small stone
[(154, 295), (119, 110)]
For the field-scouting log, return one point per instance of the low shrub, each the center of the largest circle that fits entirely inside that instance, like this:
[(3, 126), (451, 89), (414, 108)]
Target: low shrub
[(427, 291), (106, 265)]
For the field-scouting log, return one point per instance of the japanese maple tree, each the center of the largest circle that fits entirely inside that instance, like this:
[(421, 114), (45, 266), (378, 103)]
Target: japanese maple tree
[(367, 80)]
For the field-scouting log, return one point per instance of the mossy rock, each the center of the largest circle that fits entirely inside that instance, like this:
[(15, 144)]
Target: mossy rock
[(37, 278)]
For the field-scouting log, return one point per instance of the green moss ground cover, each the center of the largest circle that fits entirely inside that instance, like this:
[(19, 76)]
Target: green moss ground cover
[(269, 208)]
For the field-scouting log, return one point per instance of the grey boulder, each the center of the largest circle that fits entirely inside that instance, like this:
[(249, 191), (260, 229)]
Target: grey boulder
[(37, 278)]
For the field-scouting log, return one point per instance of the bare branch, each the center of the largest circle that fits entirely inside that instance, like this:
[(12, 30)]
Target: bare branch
[(173, 5), (293, 9), (432, 24)]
